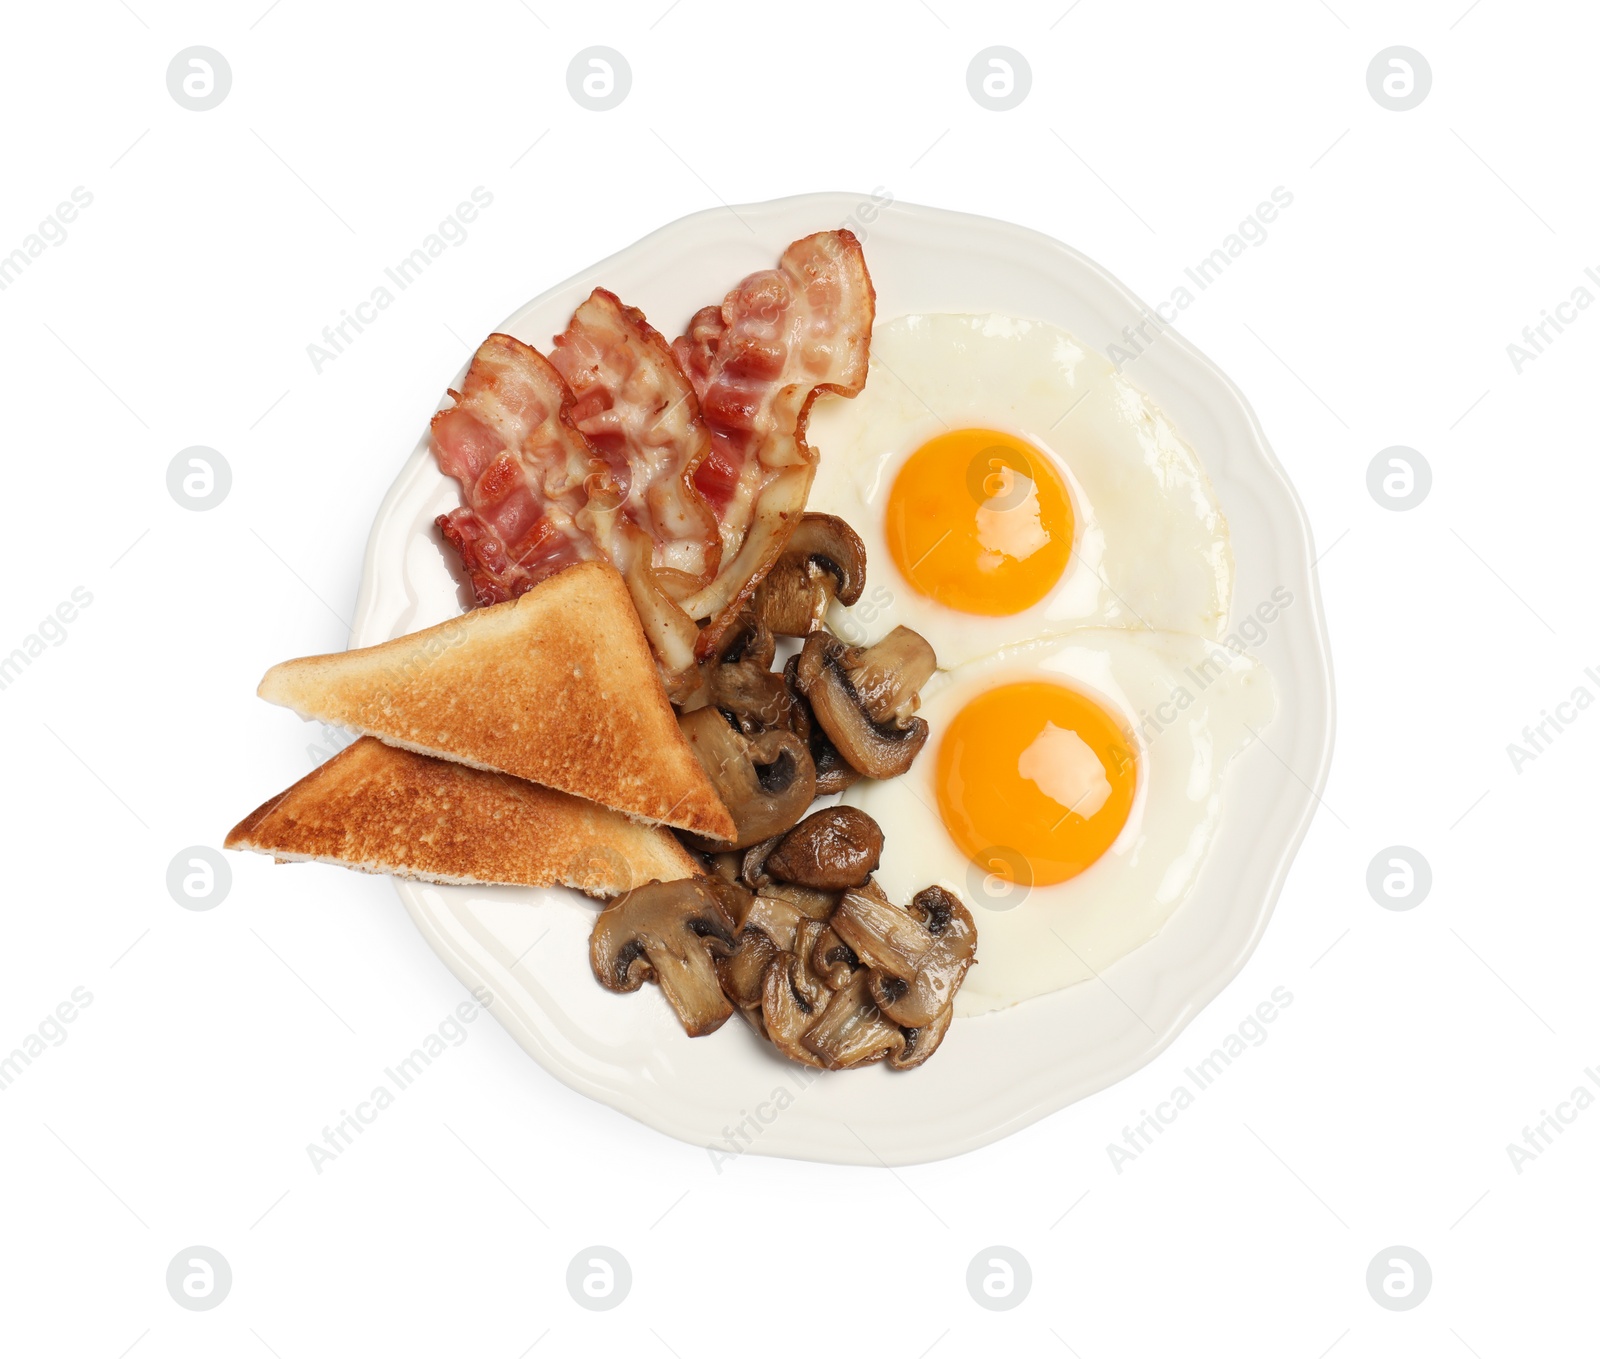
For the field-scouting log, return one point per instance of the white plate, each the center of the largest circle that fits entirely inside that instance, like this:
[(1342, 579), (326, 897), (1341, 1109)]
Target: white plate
[(998, 1072)]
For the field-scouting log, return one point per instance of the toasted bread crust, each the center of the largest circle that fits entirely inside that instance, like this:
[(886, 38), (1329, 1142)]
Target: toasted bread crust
[(557, 687), (384, 810)]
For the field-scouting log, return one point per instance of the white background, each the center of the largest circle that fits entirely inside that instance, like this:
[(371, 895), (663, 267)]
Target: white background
[(218, 1044)]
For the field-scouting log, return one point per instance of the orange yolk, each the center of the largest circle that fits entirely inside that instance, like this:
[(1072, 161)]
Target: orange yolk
[(980, 521), (1035, 781)]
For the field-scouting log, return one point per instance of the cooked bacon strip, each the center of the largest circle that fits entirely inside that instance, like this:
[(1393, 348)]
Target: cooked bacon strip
[(637, 409), (696, 350), (522, 466), (757, 364), (640, 413)]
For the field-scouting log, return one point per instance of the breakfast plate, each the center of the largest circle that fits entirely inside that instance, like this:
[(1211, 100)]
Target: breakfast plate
[(999, 1071)]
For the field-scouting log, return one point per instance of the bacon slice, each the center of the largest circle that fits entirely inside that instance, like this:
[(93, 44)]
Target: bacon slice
[(523, 469), (757, 364), (696, 350), (638, 410)]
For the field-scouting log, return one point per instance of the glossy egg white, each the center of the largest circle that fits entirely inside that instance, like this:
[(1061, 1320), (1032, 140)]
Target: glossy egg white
[(1188, 705), (1150, 541)]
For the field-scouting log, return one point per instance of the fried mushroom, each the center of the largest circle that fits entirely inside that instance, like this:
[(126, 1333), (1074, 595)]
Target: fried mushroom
[(751, 699), (834, 848), (725, 865), (749, 640), (669, 933), (851, 1031), (768, 927), (834, 772), (864, 698), (833, 960), (844, 1029), (922, 1043), (740, 683), (917, 957), (766, 781), (792, 1000), (814, 902), (753, 863), (825, 560), (741, 973), (888, 676)]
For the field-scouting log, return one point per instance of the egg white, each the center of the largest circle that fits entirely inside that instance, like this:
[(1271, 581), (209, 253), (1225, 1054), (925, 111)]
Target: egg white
[(1189, 705), (1150, 541)]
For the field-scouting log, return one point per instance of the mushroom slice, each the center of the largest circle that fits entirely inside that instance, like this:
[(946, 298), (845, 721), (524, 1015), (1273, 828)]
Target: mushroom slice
[(863, 698), (835, 848), (833, 960), (791, 1002), (744, 687), (732, 896), (725, 865), (749, 641), (851, 1031), (768, 926), (766, 781), (834, 772), (668, 932), (806, 936), (776, 918), (888, 676), (753, 699), (814, 902), (922, 1043), (918, 956), (824, 560), (742, 972), (753, 863)]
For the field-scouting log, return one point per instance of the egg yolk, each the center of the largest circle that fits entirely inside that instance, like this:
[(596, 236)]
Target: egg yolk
[(1035, 781), (980, 521)]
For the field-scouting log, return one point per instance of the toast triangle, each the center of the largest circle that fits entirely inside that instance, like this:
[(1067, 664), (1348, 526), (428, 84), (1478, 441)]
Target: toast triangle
[(381, 809), (557, 687)]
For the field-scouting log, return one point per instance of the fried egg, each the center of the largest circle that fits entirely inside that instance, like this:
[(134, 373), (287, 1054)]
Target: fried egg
[(1009, 485), (1068, 793)]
